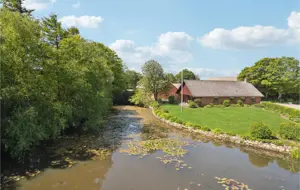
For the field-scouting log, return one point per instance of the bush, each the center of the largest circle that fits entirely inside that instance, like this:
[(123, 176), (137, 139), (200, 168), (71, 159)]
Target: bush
[(219, 106), (154, 105), (179, 121), (292, 114), (196, 126), (253, 100), (231, 133), (290, 131), (259, 105), (209, 106), (226, 103), (198, 101), (240, 103), (171, 99), (260, 130), (217, 131), (205, 128), (188, 124), (192, 104), (173, 119)]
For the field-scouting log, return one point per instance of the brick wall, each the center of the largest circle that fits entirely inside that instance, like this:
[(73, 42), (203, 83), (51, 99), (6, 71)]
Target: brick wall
[(248, 100)]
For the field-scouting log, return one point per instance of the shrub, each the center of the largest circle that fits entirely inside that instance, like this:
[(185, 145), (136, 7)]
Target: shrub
[(243, 99), (164, 110), (292, 114), (295, 153), (179, 121), (253, 100), (171, 99), (196, 126), (198, 102), (259, 105), (217, 131), (188, 124), (154, 105), (234, 105), (231, 133), (289, 131), (209, 106), (173, 119), (259, 130), (226, 103), (240, 103), (204, 128), (192, 104)]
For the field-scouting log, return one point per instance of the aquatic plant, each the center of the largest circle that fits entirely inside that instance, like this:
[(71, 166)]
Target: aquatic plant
[(231, 184)]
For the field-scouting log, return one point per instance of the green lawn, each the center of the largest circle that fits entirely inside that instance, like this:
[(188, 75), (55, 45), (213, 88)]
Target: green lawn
[(232, 119)]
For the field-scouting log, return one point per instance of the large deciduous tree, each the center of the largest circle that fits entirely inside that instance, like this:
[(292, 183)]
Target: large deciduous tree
[(132, 79), (170, 77), (187, 75), (153, 78), (274, 76)]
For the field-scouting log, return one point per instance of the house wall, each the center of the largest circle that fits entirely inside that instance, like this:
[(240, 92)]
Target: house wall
[(207, 100), (171, 92)]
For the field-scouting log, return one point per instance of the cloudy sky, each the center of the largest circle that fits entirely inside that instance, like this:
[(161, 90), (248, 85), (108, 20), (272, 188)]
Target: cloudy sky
[(209, 37)]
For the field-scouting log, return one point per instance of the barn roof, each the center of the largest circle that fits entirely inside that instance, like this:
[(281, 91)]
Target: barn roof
[(231, 78), (209, 88)]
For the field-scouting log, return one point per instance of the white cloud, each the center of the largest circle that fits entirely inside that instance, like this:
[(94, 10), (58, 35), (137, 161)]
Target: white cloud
[(76, 5), (82, 21), (254, 36), (171, 47), (38, 4)]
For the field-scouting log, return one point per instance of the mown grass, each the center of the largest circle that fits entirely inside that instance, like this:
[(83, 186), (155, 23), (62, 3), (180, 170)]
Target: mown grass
[(235, 120)]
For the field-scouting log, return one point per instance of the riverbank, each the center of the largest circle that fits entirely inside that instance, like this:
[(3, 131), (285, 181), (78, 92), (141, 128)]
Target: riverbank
[(283, 149)]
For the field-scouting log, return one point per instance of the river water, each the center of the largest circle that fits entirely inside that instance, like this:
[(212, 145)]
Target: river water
[(206, 162)]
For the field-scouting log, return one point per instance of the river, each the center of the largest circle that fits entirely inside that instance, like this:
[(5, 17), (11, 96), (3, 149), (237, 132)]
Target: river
[(207, 164)]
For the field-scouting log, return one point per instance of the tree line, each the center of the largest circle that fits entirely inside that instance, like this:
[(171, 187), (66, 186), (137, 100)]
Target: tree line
[(52, 79)]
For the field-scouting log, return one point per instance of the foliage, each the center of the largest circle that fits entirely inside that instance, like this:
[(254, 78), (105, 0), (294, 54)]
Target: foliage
[(295, 153), (291, 113), (240, 103), (132, 79), (155, 105), (226, 103), (260, 130), (153, 80), (16, 6), (205, 128), (192, 104), (217, 131), (290, 131), (51, 82), (170, 77), (171, 99), (188, 124), (209, 106), (198, 101), (141, 98), (274, 76), (187, 75)]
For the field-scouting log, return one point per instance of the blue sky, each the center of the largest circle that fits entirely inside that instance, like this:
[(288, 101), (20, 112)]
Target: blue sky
[(212, 38)]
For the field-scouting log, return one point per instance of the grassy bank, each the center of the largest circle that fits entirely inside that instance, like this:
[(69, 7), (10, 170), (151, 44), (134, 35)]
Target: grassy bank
[(235, 120)]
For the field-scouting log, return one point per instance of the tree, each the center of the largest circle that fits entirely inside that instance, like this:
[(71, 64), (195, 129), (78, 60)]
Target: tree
[(153, 78), (170, 77), (132, 79), (187, 75), (16, 6), (51, 82), (274, 76), (53, 31), (72, 31)]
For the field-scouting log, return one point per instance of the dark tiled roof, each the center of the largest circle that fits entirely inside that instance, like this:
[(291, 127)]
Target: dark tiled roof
[(209, 88)]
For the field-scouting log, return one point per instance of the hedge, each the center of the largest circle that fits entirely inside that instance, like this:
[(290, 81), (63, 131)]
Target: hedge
[(292, 114)]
